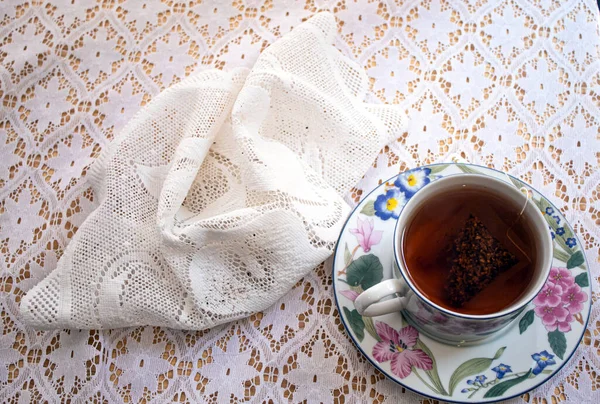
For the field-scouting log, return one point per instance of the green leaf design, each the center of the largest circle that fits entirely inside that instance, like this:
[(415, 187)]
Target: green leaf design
[(357, 289), (575, 260), (561, 255), (551, 222), (568, 232), (472, 367), (499, 353), (516, 182), (433, 373), (347, 256), (526, 321), (370, 327), (582, 280), (543, 204), (545, 372), (561, 242), (356, 323), (539, 204), (368, 209), (468, 170), (501, 388), (558, 343), (438, 168), (366, 271)]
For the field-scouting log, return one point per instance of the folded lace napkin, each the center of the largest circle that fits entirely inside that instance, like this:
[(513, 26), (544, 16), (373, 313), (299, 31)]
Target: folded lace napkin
[(221, 194)]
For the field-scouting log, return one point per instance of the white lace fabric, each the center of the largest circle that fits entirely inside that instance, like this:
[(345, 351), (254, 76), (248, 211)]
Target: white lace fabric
[(509, 84), (221, 194)]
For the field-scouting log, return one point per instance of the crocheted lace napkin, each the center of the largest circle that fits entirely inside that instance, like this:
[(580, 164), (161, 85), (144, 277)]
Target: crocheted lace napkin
[(221, 194)]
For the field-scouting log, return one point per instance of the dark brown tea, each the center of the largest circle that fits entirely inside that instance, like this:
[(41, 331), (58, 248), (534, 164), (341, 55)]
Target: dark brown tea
[(469, 251)]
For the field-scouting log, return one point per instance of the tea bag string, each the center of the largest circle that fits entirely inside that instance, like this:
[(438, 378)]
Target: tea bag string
[(456, 158), (523, 190), (527, 194)]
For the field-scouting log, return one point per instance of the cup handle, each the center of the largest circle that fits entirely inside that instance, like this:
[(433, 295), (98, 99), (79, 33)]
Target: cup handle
[(368, 302)]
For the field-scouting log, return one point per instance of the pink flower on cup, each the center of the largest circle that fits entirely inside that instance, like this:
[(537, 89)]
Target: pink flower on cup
[(426, 315), (350, 294), (565, 325), (561, 277), (366, 236), (560, 301), (398, 347), (550, 295), (573, 299), (439, 318), (551, 315)]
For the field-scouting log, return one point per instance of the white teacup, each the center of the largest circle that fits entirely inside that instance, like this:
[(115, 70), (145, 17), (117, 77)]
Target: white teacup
[(439, 322)]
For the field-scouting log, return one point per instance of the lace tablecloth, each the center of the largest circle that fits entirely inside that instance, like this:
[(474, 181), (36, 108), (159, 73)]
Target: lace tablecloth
[(514, 85)]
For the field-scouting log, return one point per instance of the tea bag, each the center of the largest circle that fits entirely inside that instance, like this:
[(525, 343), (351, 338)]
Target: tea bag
[(510, 278), (486, 256)]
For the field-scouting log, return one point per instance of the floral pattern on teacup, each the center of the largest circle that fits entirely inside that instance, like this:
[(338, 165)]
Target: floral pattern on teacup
[(399, 348), (389, 204), (403, 350)]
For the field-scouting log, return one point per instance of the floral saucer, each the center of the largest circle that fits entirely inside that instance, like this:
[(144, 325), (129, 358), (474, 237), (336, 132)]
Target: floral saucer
[(519, 358)]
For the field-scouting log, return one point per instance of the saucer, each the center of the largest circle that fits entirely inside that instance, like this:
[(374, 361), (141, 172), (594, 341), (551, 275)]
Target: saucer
[(521, 357)]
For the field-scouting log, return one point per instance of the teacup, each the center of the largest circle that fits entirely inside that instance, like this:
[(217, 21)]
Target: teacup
[(438, 322)]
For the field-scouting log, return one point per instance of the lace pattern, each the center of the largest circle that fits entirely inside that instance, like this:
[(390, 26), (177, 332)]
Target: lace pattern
[(510, 84)]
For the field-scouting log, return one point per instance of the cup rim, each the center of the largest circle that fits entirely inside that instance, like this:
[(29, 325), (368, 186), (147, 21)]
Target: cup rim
[(427, 301)]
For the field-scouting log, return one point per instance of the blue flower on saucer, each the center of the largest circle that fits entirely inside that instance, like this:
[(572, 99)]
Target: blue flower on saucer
[(542, 359), (555, 217), (390, 204), (479, 380), (560, 231), (464, 390), (553, 235), (411, 182), (501, 370), (549, 210), (571, 242)]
